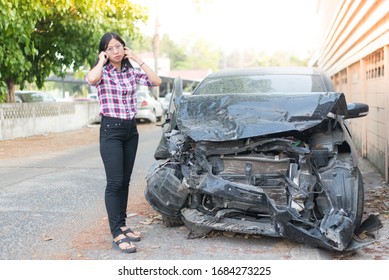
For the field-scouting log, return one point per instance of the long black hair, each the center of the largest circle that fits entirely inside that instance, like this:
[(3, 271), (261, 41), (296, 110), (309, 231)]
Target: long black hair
[(107, 37)]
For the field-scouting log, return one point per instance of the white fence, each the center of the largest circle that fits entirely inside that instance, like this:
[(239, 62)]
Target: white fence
[(27, 119)]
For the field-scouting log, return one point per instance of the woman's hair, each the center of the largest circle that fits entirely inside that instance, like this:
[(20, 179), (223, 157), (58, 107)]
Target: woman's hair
[(107, 37)]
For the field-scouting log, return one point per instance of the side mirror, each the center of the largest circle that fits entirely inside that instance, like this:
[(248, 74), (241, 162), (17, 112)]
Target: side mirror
[(357, 110)]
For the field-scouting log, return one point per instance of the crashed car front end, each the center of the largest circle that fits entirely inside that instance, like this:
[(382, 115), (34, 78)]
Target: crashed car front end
[(259, 165)]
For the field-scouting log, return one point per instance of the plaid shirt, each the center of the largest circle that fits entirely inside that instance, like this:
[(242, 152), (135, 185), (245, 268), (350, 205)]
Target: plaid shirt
[(117, 91)]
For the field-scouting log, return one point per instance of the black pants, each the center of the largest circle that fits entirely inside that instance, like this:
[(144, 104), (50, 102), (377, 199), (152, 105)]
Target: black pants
[(118, 146)]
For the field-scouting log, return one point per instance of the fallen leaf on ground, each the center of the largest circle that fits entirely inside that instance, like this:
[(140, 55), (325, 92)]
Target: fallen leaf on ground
[(229, 234), (147, 222), (47, 238)]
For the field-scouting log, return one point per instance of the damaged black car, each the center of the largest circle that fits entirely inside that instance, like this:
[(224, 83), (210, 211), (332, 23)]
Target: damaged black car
[(261, 151)]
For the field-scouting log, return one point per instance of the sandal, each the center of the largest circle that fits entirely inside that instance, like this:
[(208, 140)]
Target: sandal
[(123, 240), (131, 238)]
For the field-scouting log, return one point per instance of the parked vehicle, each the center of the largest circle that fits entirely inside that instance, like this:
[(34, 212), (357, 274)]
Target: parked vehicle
[(261, 151), (33, 96), (166, 100), (149, 108), (92, 96)]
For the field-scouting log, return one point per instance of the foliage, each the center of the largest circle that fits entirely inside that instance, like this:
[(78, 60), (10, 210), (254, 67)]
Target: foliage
[(202, 55), (43, 37), (177, 54), (195, 53), (252, 58), (50, 36), (144, 43)]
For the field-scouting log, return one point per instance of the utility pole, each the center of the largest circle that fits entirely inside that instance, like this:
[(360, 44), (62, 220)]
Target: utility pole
[(156, 47)]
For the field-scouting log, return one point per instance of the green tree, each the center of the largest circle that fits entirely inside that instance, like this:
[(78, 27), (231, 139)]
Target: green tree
[(251, 58), (200, 54), (144, 43), (175, 52), (49, 36)]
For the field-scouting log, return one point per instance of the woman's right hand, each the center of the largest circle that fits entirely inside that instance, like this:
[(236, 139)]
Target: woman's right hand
[(94, 74), (103, 57)]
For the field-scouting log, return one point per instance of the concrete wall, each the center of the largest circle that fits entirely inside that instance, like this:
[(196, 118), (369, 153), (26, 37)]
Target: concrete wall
[(355, 52), (27, 119)]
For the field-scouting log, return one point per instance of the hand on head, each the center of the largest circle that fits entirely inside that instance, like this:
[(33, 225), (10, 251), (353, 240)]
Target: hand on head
[(103, 57)]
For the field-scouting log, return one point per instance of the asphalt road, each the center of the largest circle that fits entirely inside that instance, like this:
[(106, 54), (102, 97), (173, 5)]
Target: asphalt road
[(52, 208)]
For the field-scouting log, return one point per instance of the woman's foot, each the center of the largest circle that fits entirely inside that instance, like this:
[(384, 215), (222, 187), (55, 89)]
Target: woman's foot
[(131, 235), (123, 244)]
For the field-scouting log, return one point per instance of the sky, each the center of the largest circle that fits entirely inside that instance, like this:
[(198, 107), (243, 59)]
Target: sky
[(263, 25)]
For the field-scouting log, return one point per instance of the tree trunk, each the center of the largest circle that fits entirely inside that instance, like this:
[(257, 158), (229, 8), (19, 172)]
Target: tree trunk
[(10, 91)]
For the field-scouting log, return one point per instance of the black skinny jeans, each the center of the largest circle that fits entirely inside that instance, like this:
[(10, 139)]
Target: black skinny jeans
[(118, 146)]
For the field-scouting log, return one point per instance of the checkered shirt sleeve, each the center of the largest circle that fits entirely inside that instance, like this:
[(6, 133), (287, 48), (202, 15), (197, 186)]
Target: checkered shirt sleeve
[(117, 91)]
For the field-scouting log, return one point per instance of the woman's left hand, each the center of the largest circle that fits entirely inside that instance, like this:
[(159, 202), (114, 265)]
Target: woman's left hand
[(128, 53), (155, 79)]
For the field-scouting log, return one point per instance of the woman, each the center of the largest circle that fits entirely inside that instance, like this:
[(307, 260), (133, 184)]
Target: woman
[(116, 81)]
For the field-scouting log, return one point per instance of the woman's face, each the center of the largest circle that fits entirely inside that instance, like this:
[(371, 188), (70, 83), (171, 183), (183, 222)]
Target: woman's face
[(115, 51)]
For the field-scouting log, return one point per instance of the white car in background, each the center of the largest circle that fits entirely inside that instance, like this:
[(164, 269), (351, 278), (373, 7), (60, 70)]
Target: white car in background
[(93, 96), (166, 101), (168, 96), (28, 96), (149, 108)]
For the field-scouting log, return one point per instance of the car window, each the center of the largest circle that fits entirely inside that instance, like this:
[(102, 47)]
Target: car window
[(262, 84), (35, 97)]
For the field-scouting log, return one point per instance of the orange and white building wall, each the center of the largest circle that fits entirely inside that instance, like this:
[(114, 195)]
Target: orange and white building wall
[(354, 51)]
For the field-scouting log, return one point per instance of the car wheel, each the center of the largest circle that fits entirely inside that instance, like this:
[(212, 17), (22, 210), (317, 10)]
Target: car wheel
[(164, 191), (171, 222)]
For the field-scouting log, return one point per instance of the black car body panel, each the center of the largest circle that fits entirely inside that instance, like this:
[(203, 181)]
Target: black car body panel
[(273, 163)]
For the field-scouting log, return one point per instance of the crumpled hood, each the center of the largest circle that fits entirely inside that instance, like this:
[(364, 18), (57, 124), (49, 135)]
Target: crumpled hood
[(236, 116)]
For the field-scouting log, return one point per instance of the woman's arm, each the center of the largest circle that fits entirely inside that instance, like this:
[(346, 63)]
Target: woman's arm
[(154, 78), (95, 73)]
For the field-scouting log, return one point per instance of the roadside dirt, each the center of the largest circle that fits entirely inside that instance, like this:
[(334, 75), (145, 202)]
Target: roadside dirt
[(24, 147)]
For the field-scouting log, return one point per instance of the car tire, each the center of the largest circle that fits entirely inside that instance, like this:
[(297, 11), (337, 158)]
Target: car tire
[(164, 191)]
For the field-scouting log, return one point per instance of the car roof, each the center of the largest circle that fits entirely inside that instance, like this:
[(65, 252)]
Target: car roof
[(268, 70)]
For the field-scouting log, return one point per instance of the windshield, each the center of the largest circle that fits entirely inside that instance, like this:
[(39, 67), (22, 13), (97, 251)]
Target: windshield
[(261, 84)]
